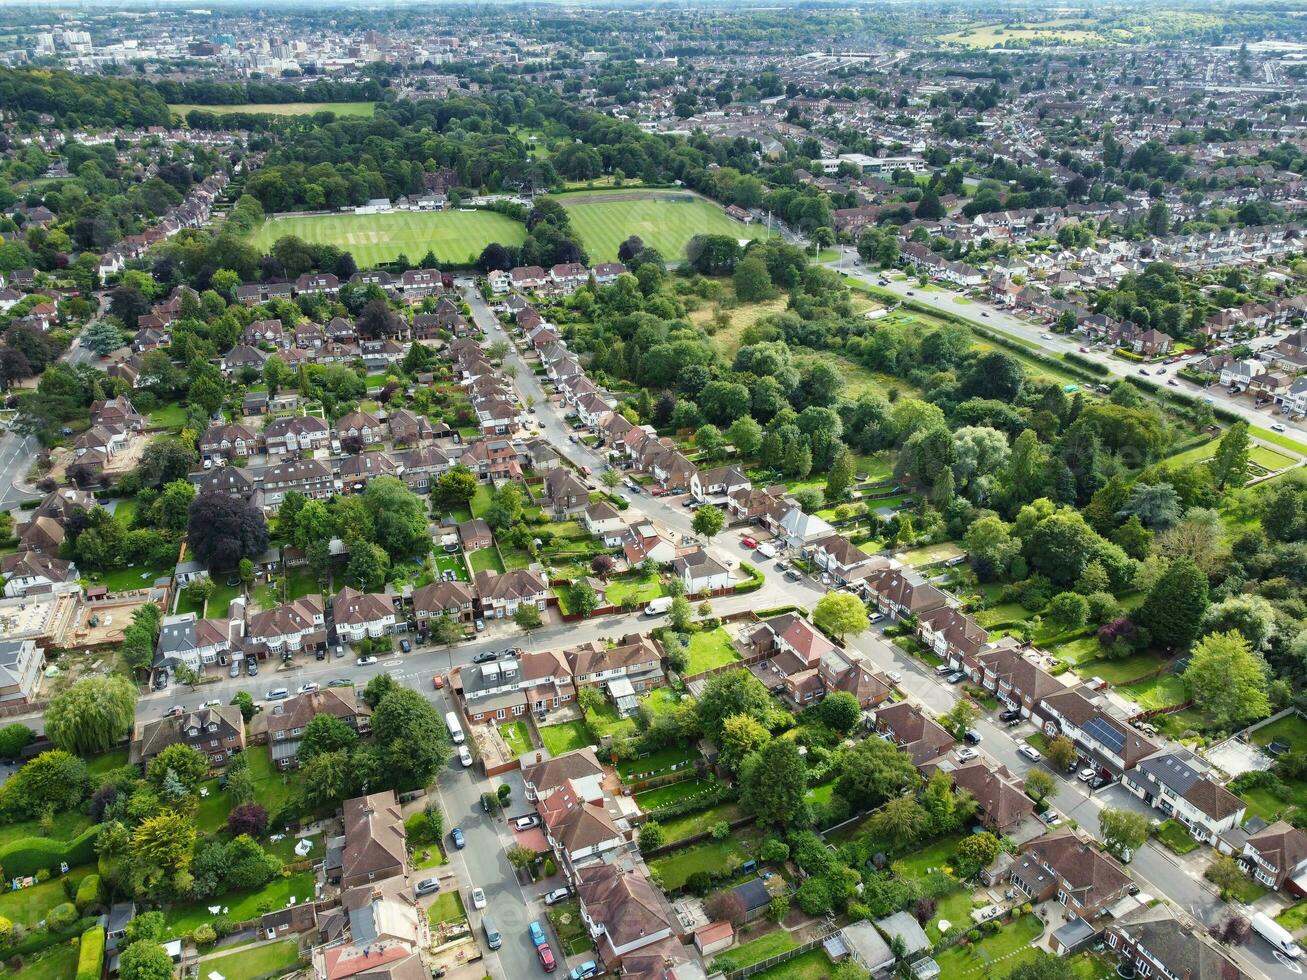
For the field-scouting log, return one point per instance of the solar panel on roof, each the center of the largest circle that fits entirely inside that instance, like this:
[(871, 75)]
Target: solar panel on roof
[(1106, 734)]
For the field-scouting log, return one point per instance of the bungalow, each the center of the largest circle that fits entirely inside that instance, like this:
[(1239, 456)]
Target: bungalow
[(359, 614), (700, 572), (528, 277), (1277, 857), (475, 534), (1176, 783), (501, 594)]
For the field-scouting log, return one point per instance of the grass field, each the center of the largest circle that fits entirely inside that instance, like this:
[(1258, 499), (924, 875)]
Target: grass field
[(56, 963), (1291, 729), (242, 904), (281, 108), (757, 950), (980, 959), (713, 855), (270, 958), (565, 737), (709, 650), (665, 220), (1268, 458), (456, 237), (515, 735)]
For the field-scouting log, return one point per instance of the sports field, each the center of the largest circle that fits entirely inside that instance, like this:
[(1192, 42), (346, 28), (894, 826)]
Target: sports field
[(664, 219), (457, 237), (282, 108)]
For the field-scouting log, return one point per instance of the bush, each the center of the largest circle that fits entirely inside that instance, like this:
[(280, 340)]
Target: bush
[(90, 958), (652, 836), (550, 868), (88, 892), (425, 827), (30, 855), (721, 830), (62, 915), (699, 883), (204, 935), (13, 739)]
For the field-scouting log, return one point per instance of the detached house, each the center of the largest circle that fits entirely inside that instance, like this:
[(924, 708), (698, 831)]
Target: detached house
[(564, 493), (700, 572), (577, 827), (375, 842), (623, 911), (580, 766), (921, 737), (842, 559), (1084, 880), (217, 732), (719, 482), (1277, 857), (1001, 798)]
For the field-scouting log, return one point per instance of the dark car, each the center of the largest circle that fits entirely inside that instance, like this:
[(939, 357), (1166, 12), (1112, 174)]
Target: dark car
[(1011, 714), (485, 657), (1098, 782), (971, 736), (405, 646), (456, 836)]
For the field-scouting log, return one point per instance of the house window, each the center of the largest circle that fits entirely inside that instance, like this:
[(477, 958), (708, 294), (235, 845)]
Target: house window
[(213, 743), (500, 714), (1111, 939)]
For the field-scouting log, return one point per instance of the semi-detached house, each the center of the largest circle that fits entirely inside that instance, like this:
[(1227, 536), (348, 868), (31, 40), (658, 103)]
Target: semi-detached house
[(578, 826), (622, 910), (502, 594), (1110, 743), (359, 614), (1176, 783)]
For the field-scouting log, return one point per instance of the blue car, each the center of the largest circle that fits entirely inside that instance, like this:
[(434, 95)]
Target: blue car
[(537, 934), (586, 969), (456, 836)]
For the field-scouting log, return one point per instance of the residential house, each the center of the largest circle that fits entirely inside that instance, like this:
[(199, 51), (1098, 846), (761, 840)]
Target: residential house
[(21, 663), (453, 599), (218, 733), (1176, 783), (359, 614), (1001, 799), (1277, 857), (545, 777), (358, 425), (1110, 743), (42, 534), (1014, 678), (921, 737), (30, 572), (951, 634), (721, 481), (1085, 881), (622, 910), (285, 721), (901, 591), (295, 434), (290, 626), (310, 477), (628, 669), (227, 441), (604, 521), (1156, 943), (475, 534), (186, 639), (840, 558), (375, 841), (501, 594), (564, 493), (578, 828), (795, 529), (700, 572)]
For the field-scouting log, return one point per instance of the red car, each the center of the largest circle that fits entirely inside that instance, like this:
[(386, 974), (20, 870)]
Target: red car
[(547, 957), (749, 542), (657, 492), (1084, 350)]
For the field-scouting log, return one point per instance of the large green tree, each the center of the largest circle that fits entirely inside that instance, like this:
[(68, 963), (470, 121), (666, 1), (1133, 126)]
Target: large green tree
[(398, 517), (735, 692), (874, 771), (840, 614), (411, 738), (92, 716), (1228, 679), (773, 782), (1175, 605), (1230, 463)]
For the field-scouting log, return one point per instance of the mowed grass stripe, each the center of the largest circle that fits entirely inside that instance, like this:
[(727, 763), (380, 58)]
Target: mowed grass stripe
[(664, 220), (456, 237), (281, 108)]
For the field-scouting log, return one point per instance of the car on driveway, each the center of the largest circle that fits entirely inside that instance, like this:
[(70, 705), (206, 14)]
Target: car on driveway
[(748, 542), (792, 576), (456, 836), (1030, 752), (957, 677), (405, 646), (340, 682), (557, 895), (527, 822), (427, 885), (1098, 782), (537, 934), (1086, 774), (478, 898), (176, 711), (485, 657), (1010, 714), (1050, 818), (547, 957), (875, 617), (966, 755), (583, 972), (307, 688), (894, 676)]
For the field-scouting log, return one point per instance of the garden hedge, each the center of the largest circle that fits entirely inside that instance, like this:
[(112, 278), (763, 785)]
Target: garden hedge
[(90, 959), (28, 855), (88, 892)]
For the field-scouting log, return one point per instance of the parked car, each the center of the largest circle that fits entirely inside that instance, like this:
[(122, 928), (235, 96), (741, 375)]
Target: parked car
[(456, 836), (480, 625), (583, 972), (966, 755), (748, 542), (426, 886), (546, 957), (438, 682), (1098, 782), (340, 682), (277, 694), (1086, 774), (1030, 752), (875, 617), (307, 688), (465, 756), (957, 677), (478, 898), (971, 736), (894, 676), (405, 646), (1051, 818), (485, 657), (365, 661), (527, 822), (235, 668), (943, 669), (1010, 714), (557, 895), (792, 576), (213, 703), (766, 551), (176, 711), (537, 934)]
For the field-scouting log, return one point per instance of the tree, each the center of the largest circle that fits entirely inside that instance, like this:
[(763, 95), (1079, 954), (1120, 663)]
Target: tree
[(455, 488), (54, 781), (1229, 465), (527, 617), (377, 688), (1039, 785), (92, 716), (652, 836), (328, 779), (734, 692), (1157, 505), (506, 507), (522, 857), (160, 852), (960, 717), (752, 280), (872, 772), (741, 737), (1252, 615), (248, 818), (14, 738), (180, 761), (224, 529), (1061, 752), (773, 782), (103, 337), (1228, 679), (368, 565), (745, 434), (583, 598), (681, 614), (708, 522), (1226, 874), (1175, 605), (1069, 610), (1122, 831), (976, 851), (145, 961), (411, 739), (245, 702), (325, 733), (901, 819), (840, 614), (839, 711), (446, 630), (840, 475)]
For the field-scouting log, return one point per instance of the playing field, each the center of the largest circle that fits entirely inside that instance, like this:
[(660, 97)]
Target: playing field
[(665, 220), (457, 237), (282, 108)]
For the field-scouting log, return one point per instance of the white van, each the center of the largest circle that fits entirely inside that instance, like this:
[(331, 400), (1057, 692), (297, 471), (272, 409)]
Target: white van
[(765, 551), (455, 729), (1276, 935), (658, 606)]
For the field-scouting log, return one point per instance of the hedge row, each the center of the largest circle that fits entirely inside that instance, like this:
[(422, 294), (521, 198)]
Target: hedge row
[(1093, 367), (28, 855), (88, 892), (90, 959)]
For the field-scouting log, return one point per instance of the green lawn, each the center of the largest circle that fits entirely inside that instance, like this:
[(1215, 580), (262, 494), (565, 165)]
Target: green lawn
[(480, 502), (28, 906), (938, 854), (1279, 439), (931, 554), (1121, 671), (712, 855), (125, 511), (673, 793), (955, 909), (273, 789), (1294, 917), (221, 598), (448, 907), (242, 905), (604, 721), (812, 965), (976, 959), (171, 416), (180, 109), (517, 737), (1269, 459), (1291, 729), (485, 560), (570, 928), (1175, 837), (656, 763), (258, 961), (679, 828), (101, 764), (1160, 692), (755, 951), (820, 794), (565, 737), (56, 963), (302, 582), (130, 578), (664, 220), (211, 814), (638, 588), (709, 650), (661, 700), (452, 563), (285, 848), (457, 237)]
